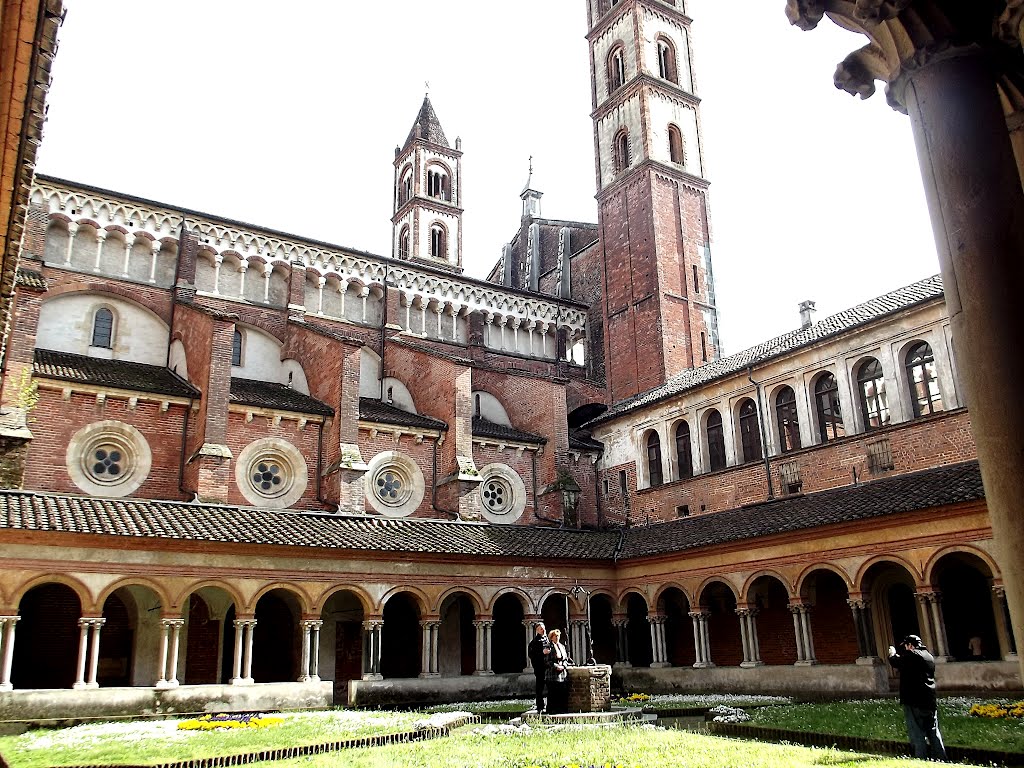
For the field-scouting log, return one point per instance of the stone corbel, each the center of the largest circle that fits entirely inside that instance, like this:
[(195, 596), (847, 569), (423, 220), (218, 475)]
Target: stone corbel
[(1010, 25), (348, 459), (465, 472), (212, 451)]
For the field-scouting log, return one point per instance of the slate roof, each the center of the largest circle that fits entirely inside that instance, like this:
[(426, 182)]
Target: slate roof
[(278, 397), (920, 292), (20, 510), (951, 484), (379, 412), (117, 374), (429, 124), (582, 441), (484, 428), (30, 279)]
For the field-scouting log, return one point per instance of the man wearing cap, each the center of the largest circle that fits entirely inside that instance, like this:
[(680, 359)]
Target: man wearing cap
[(917, 695), (539, 650)]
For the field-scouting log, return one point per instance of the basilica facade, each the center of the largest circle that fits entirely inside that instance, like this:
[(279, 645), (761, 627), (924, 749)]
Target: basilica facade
[(249, 467)]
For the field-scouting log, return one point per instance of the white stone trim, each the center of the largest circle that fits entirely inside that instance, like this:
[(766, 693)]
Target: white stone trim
[(407, 496), (509, 479), (134, 465), (271, 451)]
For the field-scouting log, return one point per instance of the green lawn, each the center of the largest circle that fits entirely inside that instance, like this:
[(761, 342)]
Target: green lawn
[(883, 719)]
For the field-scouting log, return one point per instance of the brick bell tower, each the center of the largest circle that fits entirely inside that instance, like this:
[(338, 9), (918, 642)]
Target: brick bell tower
[(659, 314), (427, 224)]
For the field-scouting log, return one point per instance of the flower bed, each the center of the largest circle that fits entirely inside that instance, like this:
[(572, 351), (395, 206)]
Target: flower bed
[(229, 720), (997, 711)]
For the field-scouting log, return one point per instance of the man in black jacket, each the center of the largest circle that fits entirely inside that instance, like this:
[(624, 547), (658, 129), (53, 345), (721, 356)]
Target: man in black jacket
[(917, 695), (539, 649)]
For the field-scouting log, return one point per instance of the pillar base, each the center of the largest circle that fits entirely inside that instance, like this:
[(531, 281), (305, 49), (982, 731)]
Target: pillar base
[(483, 673), (429, 674), (944, 659), (659, 664), (1007, 657), (6, 687), (806, 663), (704, 665), (164, 684), (241, 681), (751, 664), (304, 679), (868, 661), (621, 665), (372, 676)]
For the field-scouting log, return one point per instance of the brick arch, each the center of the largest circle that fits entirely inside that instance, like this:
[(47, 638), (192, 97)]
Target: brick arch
[(474, 598), (254, 319), (660, 592), (358, 592), (966, 549), (236, 598), (744, 593), (891, 559), (160, 310), (698, 593), (623, 599), (89, 607), (136, 581), (422, 601), (300, 597), (801, 580), (524, 599)]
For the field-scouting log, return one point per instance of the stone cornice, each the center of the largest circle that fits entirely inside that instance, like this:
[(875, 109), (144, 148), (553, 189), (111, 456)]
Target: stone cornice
[(660, 169), (609, 18), (644, 82)]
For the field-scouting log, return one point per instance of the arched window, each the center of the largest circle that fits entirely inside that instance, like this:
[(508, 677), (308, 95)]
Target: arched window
[(750, 431), (716, 441), (616, 69), (437, 184), (874, 406), (786, 416), (438, 242), (675, 145), (654, 460), (403, 243), (622, 158), (236, 348), (924, 383), (703, 347), (684, 453), (667, 61), (826, 399), (103, 328), (405, 188)]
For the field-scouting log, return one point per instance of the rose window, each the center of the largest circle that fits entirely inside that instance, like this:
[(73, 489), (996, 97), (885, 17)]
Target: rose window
[(109, 461), (266, 476), (388, 486), (270, 476), (497, 495), (108, 458)]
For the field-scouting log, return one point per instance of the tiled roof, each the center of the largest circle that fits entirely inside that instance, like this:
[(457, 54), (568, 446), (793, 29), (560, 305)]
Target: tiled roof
[(582, 441), (31, 279), (379, 412), (904, 493), (484, 428), (267, 394), (21, 510), (117, 374), (430, 126), (895, 301)]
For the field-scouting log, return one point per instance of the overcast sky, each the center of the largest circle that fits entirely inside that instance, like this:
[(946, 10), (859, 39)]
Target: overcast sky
[(286, 115)]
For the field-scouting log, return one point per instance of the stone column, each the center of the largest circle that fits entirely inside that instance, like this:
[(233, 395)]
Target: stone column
[(748, 637), (129, 241), (170, 634), (304, 660), (701, 639), (621, 641), (72, 229), (528, 625), (172, 674), (314, 653), (933, 626), (429, 664), (165, 631), (243, 652), (483, 646), (1007, 650), (945, 75), (802, 631), (236, 669), (101, 235), (7, 624), (861, 608), (373, 630), (250, 626), (578, 644), (83, 653), (94, 652), (658, 643), (154, 250)]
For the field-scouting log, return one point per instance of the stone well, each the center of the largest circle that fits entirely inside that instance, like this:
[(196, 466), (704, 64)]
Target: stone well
[(590, 688)]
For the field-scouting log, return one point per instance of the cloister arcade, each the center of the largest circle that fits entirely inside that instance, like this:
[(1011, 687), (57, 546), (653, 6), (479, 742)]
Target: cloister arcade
[(67, 636)]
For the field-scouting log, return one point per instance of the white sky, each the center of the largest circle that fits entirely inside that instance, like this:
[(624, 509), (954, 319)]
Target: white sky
[(286, 115)]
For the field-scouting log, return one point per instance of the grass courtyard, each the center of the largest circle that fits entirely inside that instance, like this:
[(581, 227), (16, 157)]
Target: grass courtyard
[(499, 745)]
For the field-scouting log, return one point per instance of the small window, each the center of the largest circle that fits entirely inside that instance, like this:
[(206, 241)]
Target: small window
[(683, 510), (604, 485), (703, 347), (103, 328), (438, 185), (789, 474), (874, 406), (924, 383), (880, 456), (684, 452), (622, 155), (716, 441), (667, 61), (830, 418), (405, 188), (654, 460), (622, 482), (675, 145), (236, 348), (438, 242), (696, 282), (750, 431), (787, 420), (616, 70), (403, 243)]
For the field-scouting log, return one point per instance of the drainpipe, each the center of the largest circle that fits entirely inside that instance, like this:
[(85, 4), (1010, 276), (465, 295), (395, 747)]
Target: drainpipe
[(184, 443), (760, 425), (320, 462)]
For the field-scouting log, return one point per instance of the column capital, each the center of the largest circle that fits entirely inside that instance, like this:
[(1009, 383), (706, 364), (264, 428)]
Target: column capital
[(172, 622), (747, 611), (373, 623), (999, 591), (312, 623), (72, 227), (13, 618), (481, 622), (93, 621), (245, 623), (800, 607), (928, 596), (859, 603), (657, 618), (101, 234), (699, 615)]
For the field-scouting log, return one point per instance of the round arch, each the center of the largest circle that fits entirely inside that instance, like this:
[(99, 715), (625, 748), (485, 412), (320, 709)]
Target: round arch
[(136, 581), (300, 597), (660, 592), (520, 594), (698, 593), (744, 593), (358, 592), (474, 598), (422, 601), (623, 598), (886, 559), (928, 577), (186, 592), (801, 579), (89, 606)]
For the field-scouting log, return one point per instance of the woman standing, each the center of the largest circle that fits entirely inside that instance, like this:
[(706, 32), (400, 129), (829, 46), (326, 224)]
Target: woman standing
[(557, 675)]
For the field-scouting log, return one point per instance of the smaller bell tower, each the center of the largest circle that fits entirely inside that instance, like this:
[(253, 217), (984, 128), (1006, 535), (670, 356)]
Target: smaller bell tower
[(427, 224)]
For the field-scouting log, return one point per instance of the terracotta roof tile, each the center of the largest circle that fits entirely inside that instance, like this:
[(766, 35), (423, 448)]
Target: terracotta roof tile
[(937, 487), (116, 374), (378, 412), (267, 394), (31, 279), (484, 428), (920, 292)]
